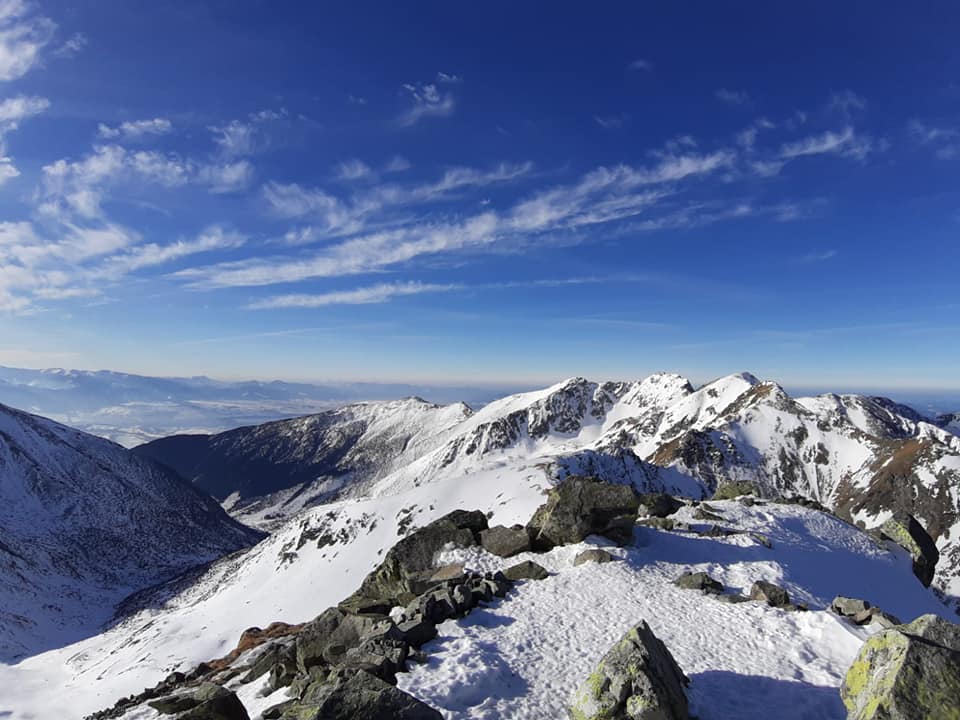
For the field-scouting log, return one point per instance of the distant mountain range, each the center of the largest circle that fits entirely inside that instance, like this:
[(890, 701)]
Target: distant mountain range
[(133, 409)]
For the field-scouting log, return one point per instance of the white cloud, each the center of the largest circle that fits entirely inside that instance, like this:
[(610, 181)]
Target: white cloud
[(427, 101), (846, 102), (354, 170), (226, 177), (443, 77), (235, 139), (397, 164), (846, 143), (374, 294), (23, 35), (136, 129), (944, 141), (18, 108), (732, 97), (611, 122), (602, 196), (747, 138), (141, 256), (73, 46)]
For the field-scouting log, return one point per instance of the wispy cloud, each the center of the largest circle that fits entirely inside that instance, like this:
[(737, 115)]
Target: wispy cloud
[(818, 256), (354, 170), (397, 163), (944, 141), (845, 142), (846, 103), (74, 45), (135, 129), (375, 294), (23, 34), (12, 112), (640, 64), (732, 97), (602, 196), (426, 100), (611, 122), (240, 138)]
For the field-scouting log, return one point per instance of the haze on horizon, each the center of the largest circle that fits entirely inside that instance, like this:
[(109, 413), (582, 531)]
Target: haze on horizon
[(487, 195)]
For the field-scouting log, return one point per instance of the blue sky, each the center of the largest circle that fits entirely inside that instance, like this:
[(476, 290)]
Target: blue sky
[(487, 193)]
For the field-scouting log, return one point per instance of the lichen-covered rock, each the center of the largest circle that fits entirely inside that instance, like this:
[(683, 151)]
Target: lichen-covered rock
[(215, 703), (593, 555), (909, 534), (505, 542), (526, 570), (408, 566), (848, 607), (699, 581), (769, 593), (910, 672), (358, 695), (638, 679), (581, 506)]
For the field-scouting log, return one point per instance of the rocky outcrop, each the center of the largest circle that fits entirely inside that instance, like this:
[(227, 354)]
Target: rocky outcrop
[(637, 679), (581, 506), (207, 702), (357, 695), (909, 534), (862, 612), (505, 542), (407, 569), (658, 505), (699, 581), (905, 673)]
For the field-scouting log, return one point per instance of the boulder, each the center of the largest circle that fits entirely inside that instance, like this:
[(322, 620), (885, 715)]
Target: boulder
[(848, 606), (526, 570), (358, 695), (581, 506), (909, 534), (326, 639), (658, 505), (215, 703), (505, 542), (593, 555), (771, 594), (876, 615), (732, 598), (907, 672), (703, 514), (408, 566), (448, 572), (638, 678), (658, 523), (699, 581)]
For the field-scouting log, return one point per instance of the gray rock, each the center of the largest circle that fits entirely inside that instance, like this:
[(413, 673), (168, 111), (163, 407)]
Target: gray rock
[(658, 505), (907, 672), (875, 615), (417, 632), (848, 606), (637, 679), (505, 542), (358, 695), (401, 575), (327, 638), (594, 555), (701, 514), (769, 593), (581, 506), (909, 534), (699, 581), (729, 491), (526, 570), (448, 572), (215, 703), (762, 539)]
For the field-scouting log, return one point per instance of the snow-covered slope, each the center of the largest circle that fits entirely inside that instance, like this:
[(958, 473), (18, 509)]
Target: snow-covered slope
[(83, 523), (269, 472), (949, 422)]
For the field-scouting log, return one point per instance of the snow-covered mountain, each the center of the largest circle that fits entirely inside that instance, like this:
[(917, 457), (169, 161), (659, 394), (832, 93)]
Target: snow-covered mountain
[(862, 456), (857, 454), (270, 472), (949, 422), (84, 523)]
